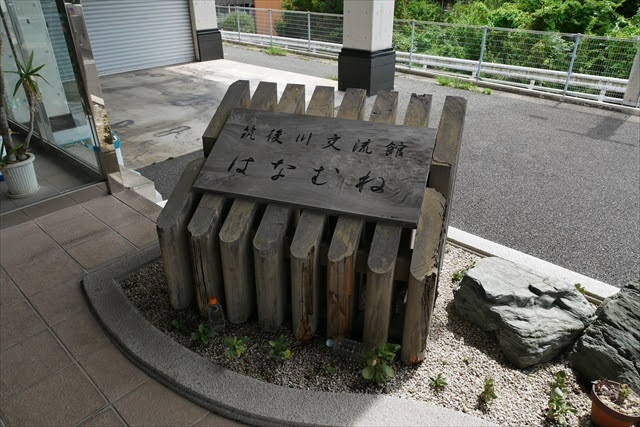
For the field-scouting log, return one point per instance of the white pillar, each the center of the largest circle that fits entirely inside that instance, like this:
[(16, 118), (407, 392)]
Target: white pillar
[(207, 37), (632, 93), (367, 59)]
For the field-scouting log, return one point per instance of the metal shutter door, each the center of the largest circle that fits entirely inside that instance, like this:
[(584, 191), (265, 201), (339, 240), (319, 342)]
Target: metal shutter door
[(58, 41), (138, 34)]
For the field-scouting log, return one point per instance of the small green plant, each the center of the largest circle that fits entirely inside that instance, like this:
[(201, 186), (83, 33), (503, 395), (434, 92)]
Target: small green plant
[(559, 408), (623, 393), (203, 334), (180, 325), (461, 84), (580, 288), (332, 77), (438, 382), (489, 393), (275, 50), (235, 346), (378, 360), (459, 274), (330, 368), (280, 348)]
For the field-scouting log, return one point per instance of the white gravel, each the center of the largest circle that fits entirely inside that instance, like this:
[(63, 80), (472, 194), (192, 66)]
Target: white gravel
[(460, 351)]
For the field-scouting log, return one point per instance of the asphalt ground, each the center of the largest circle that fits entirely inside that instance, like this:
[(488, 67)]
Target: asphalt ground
[(557, 181)]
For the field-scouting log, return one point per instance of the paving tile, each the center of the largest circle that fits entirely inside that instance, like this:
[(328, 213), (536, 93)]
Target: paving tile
[(16, 250), (141, 204), (78, 231), (29, 361), (60, 302), (9, 293), (114, 374), (12, 219), (53, 205), (101, 250), (141, 232), (213, 420), (49, 269), (62, 399), (112, 211), (86, 194), (106, 418), (81, 334), (152, 404), (61, 217), (17, 323)]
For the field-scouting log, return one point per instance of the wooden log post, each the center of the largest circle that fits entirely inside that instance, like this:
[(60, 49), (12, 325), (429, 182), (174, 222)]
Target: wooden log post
[(173, 239), (237, 96), (272, 287), (235, 236), (305, 246), (203, 232), (344, 244), (423, 276)]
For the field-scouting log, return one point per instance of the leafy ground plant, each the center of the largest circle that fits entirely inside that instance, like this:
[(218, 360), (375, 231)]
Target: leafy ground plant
[(330, 368), (438, 382), (235, 346), (580, 288), (276, 51), (559, 408), (459, 274), (378, 360), (279, 348), (203, 334), (332, 77), (461, 84), (488, 394)]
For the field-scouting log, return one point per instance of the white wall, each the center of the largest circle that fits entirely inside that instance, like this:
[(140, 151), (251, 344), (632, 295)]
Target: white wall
[(204, 12)]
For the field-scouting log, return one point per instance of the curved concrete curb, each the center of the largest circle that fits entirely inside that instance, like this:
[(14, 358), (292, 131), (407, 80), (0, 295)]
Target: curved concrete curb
[(231, 394)]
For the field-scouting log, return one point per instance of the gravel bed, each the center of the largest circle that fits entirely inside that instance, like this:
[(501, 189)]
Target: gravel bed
[(460, 351)]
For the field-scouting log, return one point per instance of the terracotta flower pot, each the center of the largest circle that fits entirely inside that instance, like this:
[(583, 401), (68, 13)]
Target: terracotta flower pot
[(604, 416)]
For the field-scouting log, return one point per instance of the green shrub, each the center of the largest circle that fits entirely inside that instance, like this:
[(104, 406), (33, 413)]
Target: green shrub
[(378, 360), (230, 22)]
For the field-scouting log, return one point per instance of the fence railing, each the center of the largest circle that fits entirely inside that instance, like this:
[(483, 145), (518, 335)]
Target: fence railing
[(590, 67)]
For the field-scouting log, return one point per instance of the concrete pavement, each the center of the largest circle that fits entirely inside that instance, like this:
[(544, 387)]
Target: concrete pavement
[(556, 181)]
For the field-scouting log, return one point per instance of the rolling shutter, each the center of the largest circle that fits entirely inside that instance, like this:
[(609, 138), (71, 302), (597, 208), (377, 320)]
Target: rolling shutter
[(137, 34)]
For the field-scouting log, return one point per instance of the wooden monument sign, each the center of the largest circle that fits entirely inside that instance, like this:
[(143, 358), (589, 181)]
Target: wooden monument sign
[(374, 170)]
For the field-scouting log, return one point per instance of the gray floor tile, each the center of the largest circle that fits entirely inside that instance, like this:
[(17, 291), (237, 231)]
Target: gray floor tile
[(17, 323), (12, 219), (25, 249), (29, 361), (114, 374), (87, 194), (49, 206), (213, 420), (62, 399), (152, 404), (78, 231), (50, 269), (9, 293), (81, 334), (141, 232), (60, 302), (63, 216), (106, 418), (101, 250), (112, 211)]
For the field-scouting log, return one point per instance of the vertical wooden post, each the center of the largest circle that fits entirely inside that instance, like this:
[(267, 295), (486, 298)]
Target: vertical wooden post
[(172, 236), (268, 244), (305, 283), (235, 235), (344, 244), (237, 96)]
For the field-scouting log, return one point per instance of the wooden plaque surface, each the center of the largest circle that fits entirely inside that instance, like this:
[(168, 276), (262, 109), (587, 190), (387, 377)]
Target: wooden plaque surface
[(354, 167)]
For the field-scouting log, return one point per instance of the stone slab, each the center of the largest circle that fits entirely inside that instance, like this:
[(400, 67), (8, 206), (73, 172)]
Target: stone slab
[(228, 393)]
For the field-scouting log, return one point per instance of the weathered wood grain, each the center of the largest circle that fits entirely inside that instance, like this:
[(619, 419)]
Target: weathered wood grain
[(383, 250), (418, 111), (270, 264), (306, 289), (237, 96), (343, 249), (203, 232), (235, 235), (423, 278), (174, 241), (377, 170)]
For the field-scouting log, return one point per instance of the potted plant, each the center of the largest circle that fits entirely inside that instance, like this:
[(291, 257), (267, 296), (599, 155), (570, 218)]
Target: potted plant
[(16, 161), (614, 404)]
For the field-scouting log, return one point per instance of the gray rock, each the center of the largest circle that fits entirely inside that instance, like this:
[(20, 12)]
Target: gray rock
[(534, 317), (610, 346)]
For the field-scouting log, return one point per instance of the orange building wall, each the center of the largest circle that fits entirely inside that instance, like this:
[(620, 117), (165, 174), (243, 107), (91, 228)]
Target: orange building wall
[(262, 16)]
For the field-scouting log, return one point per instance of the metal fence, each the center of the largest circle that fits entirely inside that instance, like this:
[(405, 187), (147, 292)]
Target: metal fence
[(589, 67)]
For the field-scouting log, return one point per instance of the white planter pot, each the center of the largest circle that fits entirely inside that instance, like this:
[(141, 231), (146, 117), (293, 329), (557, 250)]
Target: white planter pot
[(21, 178)]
